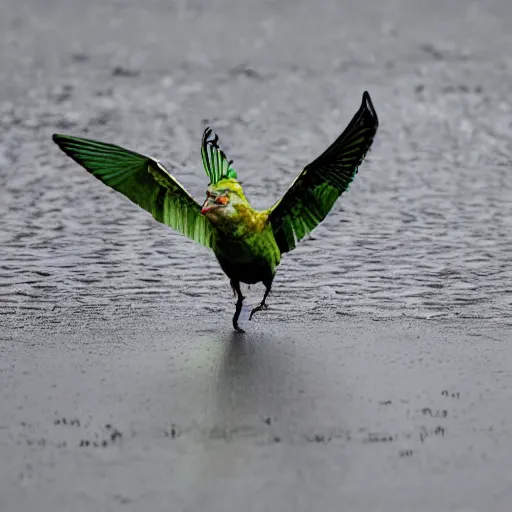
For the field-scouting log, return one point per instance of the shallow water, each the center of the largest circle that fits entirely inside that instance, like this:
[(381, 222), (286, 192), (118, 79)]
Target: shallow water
[(424, 231)]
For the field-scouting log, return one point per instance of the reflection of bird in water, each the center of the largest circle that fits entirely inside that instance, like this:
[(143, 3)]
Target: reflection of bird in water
[(247, 243)]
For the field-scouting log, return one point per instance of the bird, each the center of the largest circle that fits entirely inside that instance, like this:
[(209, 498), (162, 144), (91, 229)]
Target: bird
[(247, 243)]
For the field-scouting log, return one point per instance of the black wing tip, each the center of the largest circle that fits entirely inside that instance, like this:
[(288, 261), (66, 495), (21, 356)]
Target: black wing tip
[(66, 143), (62, 140), (367, 106), (58, 137)]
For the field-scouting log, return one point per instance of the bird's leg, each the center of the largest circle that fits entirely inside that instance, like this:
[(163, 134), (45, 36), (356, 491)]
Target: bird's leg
[(262, 304), (236, 288)]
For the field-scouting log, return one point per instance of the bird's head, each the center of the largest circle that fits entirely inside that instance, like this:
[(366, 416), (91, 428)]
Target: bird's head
[(222, 199)]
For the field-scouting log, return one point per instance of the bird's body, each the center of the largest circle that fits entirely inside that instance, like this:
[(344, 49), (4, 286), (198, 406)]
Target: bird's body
[(250, 258), (246, 248), (248, 244)]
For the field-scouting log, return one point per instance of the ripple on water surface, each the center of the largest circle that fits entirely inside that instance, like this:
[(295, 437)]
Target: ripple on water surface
[(424, 231)]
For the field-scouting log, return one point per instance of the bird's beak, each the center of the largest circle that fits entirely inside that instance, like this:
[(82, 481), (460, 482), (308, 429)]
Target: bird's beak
[(207, 206), (214, 203)]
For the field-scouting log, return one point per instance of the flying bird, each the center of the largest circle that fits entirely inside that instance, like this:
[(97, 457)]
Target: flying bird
[(248, 244)]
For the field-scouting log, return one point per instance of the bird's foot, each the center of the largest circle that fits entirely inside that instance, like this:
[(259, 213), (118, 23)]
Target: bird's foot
[(235, 318), (261, 307), (239, 303)]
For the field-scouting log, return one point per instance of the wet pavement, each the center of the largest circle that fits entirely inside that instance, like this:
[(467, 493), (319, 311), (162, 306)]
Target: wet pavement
[(379, 379), (152, 414)]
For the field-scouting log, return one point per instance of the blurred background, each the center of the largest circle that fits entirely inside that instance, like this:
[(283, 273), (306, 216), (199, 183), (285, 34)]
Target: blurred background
[(379, 378)]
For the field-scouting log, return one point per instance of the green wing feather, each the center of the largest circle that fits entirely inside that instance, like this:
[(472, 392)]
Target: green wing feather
[(314, 192), (215, 161), (144, 181)]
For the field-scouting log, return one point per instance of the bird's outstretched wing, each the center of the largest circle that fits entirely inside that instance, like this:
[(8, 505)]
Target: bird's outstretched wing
[(143, 180), (318, 186)]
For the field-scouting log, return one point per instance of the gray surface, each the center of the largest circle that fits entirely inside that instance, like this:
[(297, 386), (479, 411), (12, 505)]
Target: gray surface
[(402, 294), (350, 416)]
